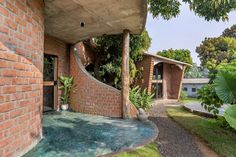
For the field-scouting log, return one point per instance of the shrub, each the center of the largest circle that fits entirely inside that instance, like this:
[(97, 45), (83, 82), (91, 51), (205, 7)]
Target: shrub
[(226, 90), (140, 99), (183, 95), (209, 99)]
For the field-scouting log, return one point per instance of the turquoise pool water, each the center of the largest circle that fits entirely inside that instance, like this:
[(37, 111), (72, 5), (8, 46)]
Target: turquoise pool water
[(69, 134)]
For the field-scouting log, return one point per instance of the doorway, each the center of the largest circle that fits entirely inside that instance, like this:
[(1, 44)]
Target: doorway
[(50, 83)]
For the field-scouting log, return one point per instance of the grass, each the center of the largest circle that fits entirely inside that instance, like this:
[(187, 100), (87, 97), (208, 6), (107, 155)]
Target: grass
[(149, 150), (221, 140), (188, 100)]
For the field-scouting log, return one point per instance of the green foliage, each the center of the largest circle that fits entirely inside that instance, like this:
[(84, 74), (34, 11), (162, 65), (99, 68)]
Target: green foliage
[(140, 99), (67, 84), (212, 9), (230, 32), (183, 96), (230, 116), (149, 150), (223, 123), (225, 86), (208, 9), (181, 55), (196, 72), (109, 50), (214, 51), (164, 8), (209, 99)]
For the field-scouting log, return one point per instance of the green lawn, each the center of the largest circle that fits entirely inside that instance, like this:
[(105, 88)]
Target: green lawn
[(149, 150), (187, 100), (221, 140)]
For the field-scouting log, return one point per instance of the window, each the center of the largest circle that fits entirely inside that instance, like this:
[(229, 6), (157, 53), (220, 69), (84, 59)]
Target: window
[(185, 89), (194, 90)]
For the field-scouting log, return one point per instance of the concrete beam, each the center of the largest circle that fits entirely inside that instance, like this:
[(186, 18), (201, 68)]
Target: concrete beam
[(125, 74), (75, 20)]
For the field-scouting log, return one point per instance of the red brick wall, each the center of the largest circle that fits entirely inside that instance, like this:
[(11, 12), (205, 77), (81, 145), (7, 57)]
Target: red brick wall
[(172, 77), (21, 38), (22, 28), (172, 81), (86, 55), (20, 104), (60, 49), (176, 82), (91, 96), (147, 64)]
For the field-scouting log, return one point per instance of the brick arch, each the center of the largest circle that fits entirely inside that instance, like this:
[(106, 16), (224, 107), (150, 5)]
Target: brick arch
[(92, 96), (20, 103)]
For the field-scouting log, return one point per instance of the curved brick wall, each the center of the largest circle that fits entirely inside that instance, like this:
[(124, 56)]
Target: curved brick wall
[(91, 96), (21, 64), (20, 104)]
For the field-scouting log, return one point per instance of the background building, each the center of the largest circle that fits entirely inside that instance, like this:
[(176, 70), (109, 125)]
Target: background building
[(191, 85)]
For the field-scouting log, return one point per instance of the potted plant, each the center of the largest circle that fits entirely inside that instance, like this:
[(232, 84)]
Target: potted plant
[(67, 84)]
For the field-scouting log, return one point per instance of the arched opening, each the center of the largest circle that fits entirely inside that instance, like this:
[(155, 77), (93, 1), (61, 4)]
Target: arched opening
[(157, 86)]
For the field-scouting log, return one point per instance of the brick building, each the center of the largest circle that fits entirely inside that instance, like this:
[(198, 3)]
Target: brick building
[(38, 43), (162, 76)]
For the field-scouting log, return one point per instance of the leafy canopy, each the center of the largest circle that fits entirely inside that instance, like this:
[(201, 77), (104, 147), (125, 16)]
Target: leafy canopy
[(230, 32), (196, 72), (109, 49), (181, 55), (214, 51), (208, 9)]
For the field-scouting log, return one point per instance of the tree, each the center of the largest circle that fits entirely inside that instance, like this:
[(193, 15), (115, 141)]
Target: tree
[(230, 32), (108, 61), (214, 51), (181, 55), (209, 9), (196, 72)]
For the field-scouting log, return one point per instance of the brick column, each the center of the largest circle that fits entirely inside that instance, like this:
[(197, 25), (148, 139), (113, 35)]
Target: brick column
[(125, 74)]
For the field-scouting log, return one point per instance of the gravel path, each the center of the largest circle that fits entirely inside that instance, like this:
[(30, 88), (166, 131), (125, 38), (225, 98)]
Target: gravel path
[(173, 140)]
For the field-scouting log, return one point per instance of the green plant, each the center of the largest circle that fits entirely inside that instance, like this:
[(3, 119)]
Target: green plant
[(226, 89), (183, 95), (230, 116), (209, 99), (140, 99), (67, 84)]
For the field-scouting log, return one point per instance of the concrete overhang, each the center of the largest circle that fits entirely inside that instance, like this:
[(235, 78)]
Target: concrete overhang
[(63, 18)]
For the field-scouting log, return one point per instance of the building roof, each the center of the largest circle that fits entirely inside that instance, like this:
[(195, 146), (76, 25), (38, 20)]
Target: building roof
[(63, 18), (196, 80), (167, 60)]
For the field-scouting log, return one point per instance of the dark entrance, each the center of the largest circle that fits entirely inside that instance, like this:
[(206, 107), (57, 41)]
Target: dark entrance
[(50, 97), (157, 80)]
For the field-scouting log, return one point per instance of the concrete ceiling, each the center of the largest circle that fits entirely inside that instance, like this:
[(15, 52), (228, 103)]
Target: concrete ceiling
[(63, 18)]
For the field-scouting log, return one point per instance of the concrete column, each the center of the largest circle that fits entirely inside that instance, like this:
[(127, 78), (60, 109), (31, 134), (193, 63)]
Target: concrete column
[(125, 74)]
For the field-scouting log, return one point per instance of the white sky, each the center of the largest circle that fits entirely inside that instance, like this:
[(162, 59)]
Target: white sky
[(187, 31)]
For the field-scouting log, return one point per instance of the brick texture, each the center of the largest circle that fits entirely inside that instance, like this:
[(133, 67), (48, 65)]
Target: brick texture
[(91, 96), (172, 77), (20, 104), (146, 66), (22, 28), (21, 66)]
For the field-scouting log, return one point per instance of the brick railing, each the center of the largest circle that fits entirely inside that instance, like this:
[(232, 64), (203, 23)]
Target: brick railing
[(92, 96)]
